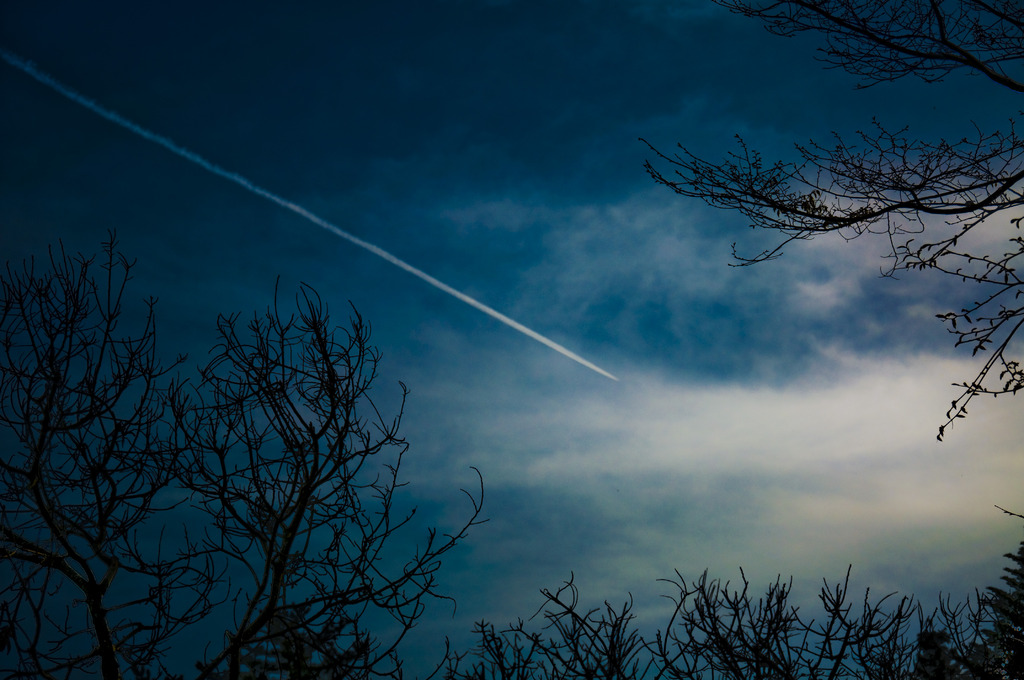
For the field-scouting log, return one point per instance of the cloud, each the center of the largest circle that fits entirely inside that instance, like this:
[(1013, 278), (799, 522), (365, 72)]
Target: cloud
[(647, 278), (623, 485)]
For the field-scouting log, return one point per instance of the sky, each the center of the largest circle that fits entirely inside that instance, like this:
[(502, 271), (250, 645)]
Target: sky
[(781, 417)]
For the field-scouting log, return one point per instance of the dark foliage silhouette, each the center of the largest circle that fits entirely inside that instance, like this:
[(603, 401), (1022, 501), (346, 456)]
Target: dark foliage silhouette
[(1008, 614), (949, 206), (258, 498)]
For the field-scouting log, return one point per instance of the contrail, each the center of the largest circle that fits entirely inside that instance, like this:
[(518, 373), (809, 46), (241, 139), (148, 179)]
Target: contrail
[(29, 68)]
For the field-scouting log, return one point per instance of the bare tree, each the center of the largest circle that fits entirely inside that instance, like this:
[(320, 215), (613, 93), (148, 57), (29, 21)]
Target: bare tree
[(596, 643), (720, 632), (88, 456), (259, 498), (288, 471), (931, 201)]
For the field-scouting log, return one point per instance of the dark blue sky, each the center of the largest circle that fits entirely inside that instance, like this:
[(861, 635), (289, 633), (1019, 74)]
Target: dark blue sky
[(780, 417)]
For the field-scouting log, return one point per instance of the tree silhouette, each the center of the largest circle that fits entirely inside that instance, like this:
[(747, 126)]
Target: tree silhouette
[(931, 201), (935, 658), (1008, 612), (597, 643), (720, 632), (258, 498)]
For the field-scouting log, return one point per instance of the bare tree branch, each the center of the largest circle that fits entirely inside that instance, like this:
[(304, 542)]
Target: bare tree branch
[(91, 458), (260, 497), (890, 39), (938, 205)]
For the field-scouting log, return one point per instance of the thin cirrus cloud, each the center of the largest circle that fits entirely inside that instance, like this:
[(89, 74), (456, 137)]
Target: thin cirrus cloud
[(46, 79)]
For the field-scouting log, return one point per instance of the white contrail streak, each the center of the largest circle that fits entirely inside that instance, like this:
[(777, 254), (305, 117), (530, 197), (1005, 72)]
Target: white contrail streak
[(29, 68)]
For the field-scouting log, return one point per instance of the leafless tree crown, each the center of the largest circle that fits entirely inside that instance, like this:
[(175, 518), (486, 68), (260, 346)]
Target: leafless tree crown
[(717, 631), (946, 206), (259, 499)]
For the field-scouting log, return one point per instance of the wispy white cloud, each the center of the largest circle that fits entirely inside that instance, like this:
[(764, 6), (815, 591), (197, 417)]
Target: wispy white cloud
[(648, 277), (626, 484)]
